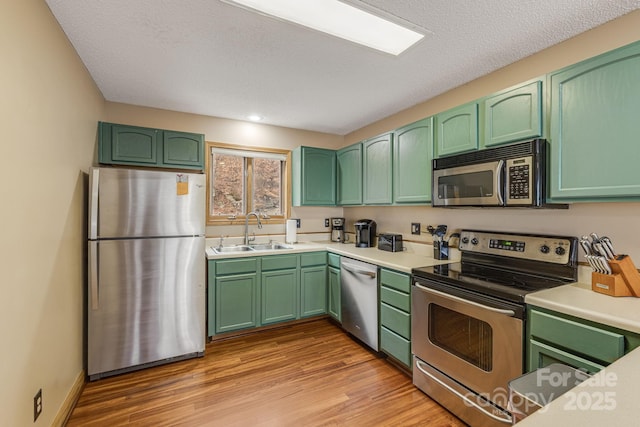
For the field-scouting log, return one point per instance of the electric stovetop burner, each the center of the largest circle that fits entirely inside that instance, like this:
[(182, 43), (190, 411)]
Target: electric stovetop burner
[(491, 264)]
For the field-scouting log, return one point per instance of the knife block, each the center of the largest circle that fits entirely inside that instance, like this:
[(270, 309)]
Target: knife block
[(623, 282)]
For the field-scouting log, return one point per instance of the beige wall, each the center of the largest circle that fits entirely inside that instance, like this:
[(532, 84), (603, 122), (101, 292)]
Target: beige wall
[(617, 220), (241, 133), (49, 108)]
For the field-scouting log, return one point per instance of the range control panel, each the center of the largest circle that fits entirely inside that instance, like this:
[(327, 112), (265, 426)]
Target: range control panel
[(553, 249)]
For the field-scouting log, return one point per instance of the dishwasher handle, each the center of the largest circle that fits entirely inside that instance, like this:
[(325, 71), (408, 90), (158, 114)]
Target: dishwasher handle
[(357, 270)]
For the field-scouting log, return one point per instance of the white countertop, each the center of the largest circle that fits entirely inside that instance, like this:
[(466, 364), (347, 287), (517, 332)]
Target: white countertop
[(607, 398), (414, 256), (579, 300)]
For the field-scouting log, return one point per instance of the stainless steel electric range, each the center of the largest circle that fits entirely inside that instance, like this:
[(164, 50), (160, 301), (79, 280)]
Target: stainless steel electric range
[(468, 318)]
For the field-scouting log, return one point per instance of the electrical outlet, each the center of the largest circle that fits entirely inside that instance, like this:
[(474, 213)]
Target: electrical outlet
[(37, 405), (415, 228), (297, 222), (326, 222)]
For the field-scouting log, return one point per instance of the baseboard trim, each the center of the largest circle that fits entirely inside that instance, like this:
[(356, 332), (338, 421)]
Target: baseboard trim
[(70, 402)]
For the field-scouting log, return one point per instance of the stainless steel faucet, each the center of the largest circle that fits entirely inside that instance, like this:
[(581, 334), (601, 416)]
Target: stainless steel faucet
[(246, 226)]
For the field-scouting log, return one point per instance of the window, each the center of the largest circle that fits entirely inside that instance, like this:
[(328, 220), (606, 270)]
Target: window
[(242, 180)]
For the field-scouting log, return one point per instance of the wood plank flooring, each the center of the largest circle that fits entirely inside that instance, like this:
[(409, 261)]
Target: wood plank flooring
[(308, 374)]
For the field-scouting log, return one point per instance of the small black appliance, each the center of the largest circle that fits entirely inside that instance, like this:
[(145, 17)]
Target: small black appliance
[(365, 233)]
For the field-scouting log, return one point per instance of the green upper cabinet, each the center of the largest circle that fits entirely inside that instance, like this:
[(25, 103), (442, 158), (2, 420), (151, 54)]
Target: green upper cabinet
[(377, 167), (139, 146), (314, 177), (594, 127), (183, 149), (412, 155), (457, 130), (513, 114), (349, 161)]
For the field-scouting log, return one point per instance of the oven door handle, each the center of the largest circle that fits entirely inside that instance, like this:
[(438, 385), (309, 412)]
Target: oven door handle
[(509, 313), (507, 419)]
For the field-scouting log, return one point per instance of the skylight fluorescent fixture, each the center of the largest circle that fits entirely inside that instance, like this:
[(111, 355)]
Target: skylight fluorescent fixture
[(339, 19)]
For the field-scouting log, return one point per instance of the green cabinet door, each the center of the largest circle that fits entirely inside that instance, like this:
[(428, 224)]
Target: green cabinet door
[(314, 177), (313, 289), (377, 170), (412, 155), (235, 302), (139, 146), (513, 115), (279, 295), (457, 130), (349, 164), (182, 149), (335, 305), (123, 144), (594, 128)]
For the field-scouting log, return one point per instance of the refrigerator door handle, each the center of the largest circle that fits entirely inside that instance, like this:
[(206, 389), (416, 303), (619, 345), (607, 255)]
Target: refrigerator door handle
[(94, 179), (93, 275)]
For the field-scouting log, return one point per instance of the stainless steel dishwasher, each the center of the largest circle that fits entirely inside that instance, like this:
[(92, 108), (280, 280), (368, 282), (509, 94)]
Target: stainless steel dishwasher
[(359, 292)]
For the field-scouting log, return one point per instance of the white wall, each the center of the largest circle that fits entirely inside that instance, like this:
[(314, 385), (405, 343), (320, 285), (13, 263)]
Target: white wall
[(49, 108)]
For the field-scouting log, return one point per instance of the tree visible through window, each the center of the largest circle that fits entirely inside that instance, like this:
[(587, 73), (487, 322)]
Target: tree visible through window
[(241, 181)]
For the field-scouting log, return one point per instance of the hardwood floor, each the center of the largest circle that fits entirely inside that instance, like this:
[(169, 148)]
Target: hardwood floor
[(309, 374)]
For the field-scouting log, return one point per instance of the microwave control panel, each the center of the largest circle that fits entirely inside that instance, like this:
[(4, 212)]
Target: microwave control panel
[(519, 181)]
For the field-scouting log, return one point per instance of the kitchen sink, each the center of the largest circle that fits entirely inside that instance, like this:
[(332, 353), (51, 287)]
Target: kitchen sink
[(231, 249), (250, 248), (270, 246)]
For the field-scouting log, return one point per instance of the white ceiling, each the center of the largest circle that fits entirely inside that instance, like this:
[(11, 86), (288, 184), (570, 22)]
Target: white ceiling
[(208, 57)]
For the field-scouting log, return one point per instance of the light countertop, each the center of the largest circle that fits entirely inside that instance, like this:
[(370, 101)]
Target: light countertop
[(609, 397), (577, 299), (415, 255)]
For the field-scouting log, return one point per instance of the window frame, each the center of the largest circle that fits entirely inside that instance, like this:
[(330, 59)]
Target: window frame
[(248, 182)]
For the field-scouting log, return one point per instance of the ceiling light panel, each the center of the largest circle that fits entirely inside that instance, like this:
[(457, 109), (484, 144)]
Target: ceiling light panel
[(338, 19)]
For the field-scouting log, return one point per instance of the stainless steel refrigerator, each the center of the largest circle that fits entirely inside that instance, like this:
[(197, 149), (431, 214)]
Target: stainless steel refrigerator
[(146, 293)]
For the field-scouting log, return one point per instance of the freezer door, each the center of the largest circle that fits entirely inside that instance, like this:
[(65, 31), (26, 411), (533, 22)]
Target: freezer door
[(140, 203), (146, 301)]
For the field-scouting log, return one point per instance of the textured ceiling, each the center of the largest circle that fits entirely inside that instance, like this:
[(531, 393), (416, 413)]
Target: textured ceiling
[(208, 57)]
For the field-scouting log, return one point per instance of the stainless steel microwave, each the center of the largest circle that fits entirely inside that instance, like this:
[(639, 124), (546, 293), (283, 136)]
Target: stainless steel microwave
[(510, 175)]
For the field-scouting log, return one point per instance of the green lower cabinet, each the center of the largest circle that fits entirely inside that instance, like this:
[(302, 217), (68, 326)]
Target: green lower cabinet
[(395, 315), (279, 296), (335, 305), (249, 292), (235, 302), (559, 338), (594, 128), (313, 289), (395, 345)]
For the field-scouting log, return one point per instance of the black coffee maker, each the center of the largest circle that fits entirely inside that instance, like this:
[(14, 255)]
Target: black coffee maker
[(365, 233)]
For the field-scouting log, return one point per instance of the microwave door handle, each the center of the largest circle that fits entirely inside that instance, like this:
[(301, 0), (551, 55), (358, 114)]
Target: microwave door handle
[(509, 313), (506, 419), (500, 171)]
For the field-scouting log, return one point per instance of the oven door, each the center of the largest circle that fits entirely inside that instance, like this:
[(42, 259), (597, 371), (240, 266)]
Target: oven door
[(472, 185), (475, 340)]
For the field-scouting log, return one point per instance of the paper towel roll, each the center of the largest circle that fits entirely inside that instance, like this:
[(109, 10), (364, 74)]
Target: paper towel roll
[(291, 236)]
